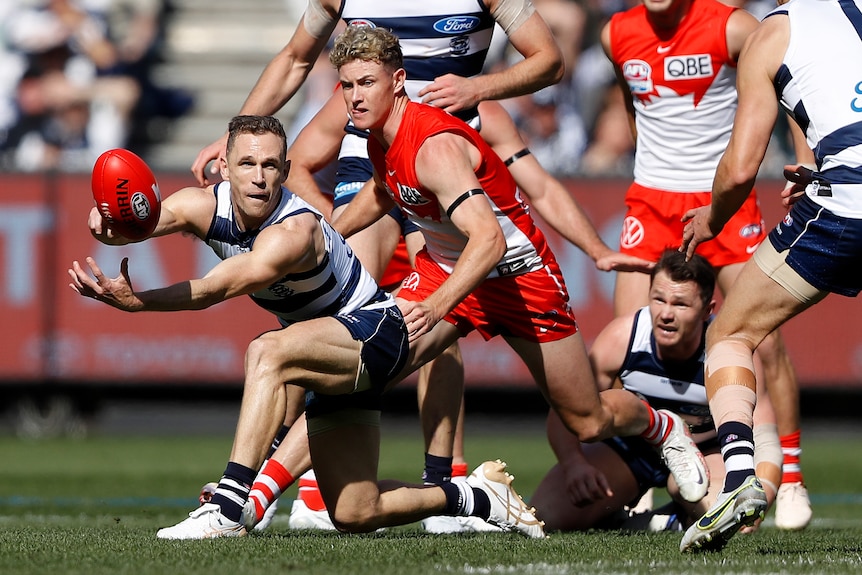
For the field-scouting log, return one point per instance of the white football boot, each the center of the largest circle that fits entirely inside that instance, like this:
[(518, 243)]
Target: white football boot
[(684, 460), (443, 524), (508, 510), (792, 507), (205, 522), (303, 517), (249, 515)]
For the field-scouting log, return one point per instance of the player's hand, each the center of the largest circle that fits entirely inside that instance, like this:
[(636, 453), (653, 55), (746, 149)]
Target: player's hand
[(617, 262), (116, 292), (419, 317), (450, 92), (102, 231), (798, 177), (697, 230), (585, 484), (212, 152)]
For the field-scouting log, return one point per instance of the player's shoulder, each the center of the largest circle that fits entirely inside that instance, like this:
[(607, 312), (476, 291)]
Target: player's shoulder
[(615, 336)]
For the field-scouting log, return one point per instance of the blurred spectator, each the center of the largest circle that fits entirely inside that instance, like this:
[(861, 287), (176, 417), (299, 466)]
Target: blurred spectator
[(550, 120), (86, 82), (552, 128), (136, 28), (12, 66)]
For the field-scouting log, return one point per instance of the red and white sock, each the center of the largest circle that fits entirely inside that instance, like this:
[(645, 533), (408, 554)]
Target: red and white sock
[(272, 479), (791, 447), (659, 426), (309, 492), (459, 471)]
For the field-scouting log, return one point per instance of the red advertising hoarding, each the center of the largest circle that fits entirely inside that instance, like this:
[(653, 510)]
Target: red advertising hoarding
[(52, 334)]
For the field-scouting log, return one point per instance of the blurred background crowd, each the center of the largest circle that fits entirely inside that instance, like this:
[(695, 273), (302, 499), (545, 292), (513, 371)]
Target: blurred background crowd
[(162, 77)]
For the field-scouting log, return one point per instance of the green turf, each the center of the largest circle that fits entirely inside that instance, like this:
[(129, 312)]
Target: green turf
[(92, 507)]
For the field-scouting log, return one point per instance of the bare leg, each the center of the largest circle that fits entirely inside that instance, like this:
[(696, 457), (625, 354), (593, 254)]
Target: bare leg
[(562, 371), (631, 292), (555, 506), (439, 381), (345, 461)]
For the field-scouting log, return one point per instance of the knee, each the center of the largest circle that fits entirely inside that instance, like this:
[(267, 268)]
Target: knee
[(353, 519), (587, 429), (771, 350), (260, 357)]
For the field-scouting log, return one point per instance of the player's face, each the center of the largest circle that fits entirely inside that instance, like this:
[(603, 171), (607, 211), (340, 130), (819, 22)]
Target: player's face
[(256, 170), (678, 314), (369, 90)]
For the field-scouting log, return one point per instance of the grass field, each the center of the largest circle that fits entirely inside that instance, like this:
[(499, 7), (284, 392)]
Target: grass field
[(92, 506)]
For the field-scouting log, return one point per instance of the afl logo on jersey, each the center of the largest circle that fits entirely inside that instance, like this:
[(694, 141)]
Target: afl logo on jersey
[(632, 234), (457, 24), (688, 67), (638, 75), (360, 22)]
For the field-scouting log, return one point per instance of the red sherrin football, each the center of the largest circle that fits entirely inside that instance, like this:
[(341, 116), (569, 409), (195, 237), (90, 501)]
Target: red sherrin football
[(126, 193)]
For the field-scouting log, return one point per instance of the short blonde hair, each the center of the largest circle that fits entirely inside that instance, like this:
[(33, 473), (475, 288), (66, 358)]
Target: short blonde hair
[(367, 43)]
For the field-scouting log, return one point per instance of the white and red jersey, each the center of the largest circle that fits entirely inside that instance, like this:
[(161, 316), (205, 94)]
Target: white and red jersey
[(684, 91), (527, 250)]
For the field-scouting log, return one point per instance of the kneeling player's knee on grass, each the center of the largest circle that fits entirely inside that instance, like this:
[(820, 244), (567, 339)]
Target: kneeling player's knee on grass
[(353, 518)]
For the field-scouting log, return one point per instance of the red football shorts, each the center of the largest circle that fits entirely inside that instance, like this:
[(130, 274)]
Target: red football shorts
[(533, 306), (652, 225)]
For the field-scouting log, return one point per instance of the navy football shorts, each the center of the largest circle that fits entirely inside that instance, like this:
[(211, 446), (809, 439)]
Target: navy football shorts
[(825, 249), (384, 352)]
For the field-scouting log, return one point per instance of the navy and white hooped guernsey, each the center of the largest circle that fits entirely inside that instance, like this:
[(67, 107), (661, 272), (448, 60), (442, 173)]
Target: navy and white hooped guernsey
[(819, 85), (338, 286), (677, 386)]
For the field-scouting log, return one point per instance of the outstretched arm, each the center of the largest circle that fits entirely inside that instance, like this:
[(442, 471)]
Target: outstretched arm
[(277, 251), (547, 195)]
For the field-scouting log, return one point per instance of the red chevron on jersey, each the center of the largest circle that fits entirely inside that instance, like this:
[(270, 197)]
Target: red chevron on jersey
[(683, 89), (686, 62)]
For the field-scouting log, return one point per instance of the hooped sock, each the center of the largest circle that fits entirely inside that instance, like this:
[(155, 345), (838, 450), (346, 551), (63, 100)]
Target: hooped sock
[(737, 449), (791, 448), (233, 489), (659, 426), (464, 499), (269, 484)]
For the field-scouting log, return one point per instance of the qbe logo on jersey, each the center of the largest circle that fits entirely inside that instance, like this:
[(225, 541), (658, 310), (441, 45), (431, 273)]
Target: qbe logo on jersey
[(688, 67)]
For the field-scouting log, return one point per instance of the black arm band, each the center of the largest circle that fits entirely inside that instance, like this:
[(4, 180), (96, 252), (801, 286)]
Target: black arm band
[(517, 156), (462, 197)]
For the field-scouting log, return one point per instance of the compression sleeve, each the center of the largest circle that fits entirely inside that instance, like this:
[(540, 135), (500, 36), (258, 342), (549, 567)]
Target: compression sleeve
[(316, 19), (510, 14)]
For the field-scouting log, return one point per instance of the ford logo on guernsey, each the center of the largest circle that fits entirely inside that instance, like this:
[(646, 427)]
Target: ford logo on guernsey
[(456, 24)]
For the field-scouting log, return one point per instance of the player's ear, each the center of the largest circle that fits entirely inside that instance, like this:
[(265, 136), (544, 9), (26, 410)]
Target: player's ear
[(286, 170), (223, 167), (398, 79)]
